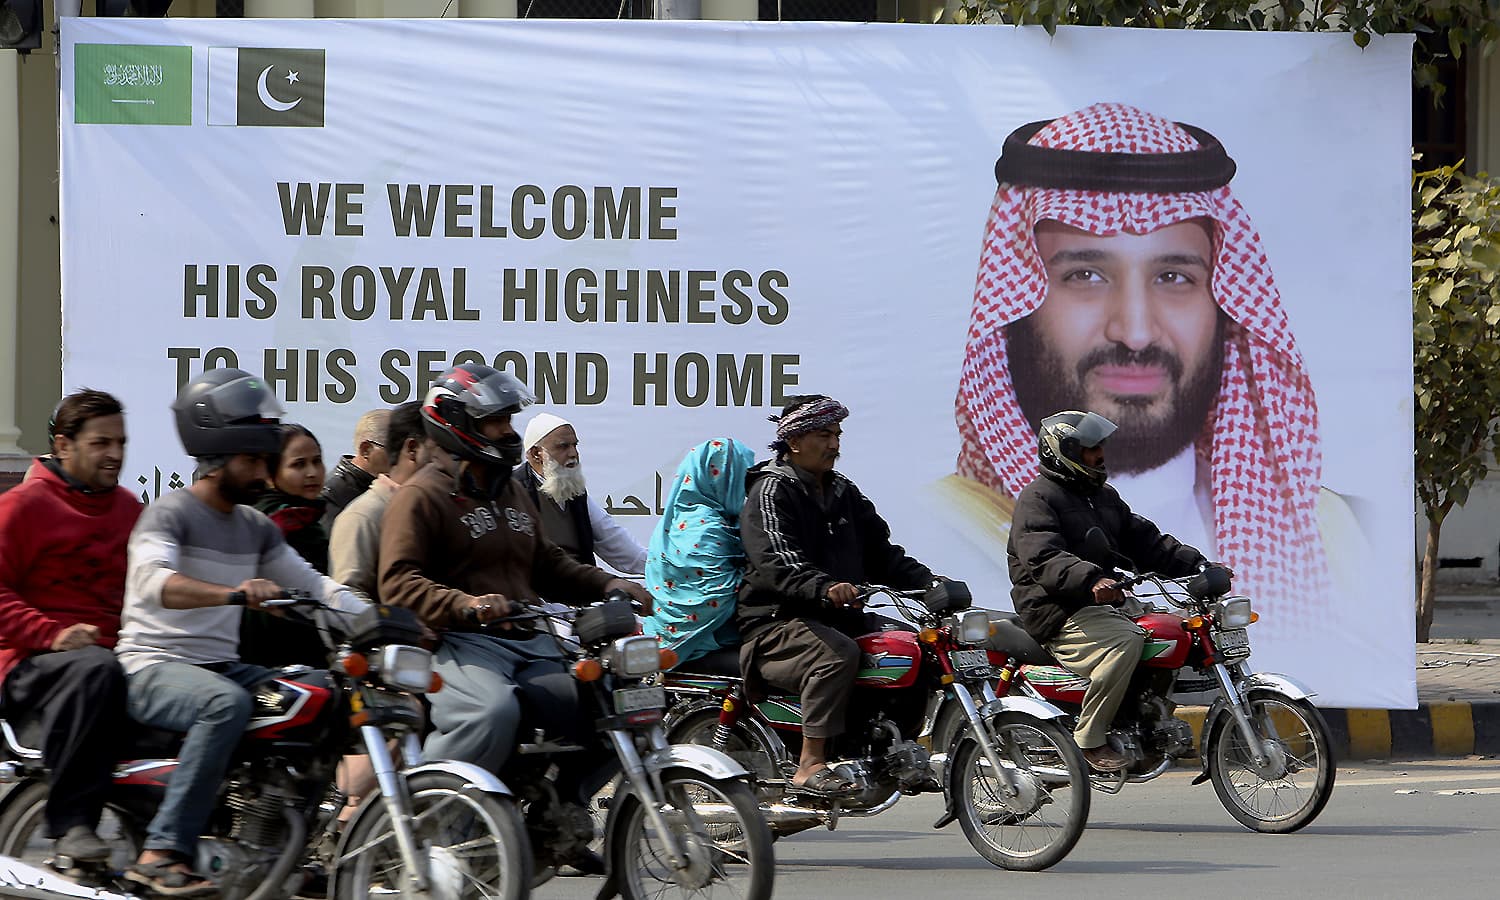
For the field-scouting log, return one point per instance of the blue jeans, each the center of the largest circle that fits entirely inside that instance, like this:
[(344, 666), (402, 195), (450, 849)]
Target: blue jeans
[(213, 709)]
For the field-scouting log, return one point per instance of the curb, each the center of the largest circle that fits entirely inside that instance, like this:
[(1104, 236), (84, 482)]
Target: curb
[(1432, 730)]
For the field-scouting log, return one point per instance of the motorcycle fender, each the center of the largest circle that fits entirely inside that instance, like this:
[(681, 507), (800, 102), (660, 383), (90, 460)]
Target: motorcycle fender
[(15, 789), (1269, 681), (702, 759), (1039, 709)]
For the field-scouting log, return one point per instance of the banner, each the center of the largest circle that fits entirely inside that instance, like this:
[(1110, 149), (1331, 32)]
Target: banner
[(668, 228)]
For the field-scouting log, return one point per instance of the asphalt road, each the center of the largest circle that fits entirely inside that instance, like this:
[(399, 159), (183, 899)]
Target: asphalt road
[(1169, 839)]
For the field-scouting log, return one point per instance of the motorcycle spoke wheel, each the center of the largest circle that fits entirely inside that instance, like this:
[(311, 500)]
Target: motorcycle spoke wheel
[(1275, 802), (474, 844), (717, 823), (23, 832), (1037, 828)]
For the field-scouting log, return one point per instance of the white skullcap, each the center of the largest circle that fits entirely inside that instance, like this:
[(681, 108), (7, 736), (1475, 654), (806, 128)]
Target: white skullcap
[(539, 427)]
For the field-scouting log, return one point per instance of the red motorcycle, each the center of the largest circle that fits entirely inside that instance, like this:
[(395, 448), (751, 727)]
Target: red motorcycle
[(437, 829), (1011, 775), (1266, 748)]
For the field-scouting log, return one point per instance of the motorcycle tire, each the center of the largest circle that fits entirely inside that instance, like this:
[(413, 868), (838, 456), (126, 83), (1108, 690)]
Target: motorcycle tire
[(446, 811), (1273, 805), (1036, 829), (716, 821), (23, 830), (743, 746)]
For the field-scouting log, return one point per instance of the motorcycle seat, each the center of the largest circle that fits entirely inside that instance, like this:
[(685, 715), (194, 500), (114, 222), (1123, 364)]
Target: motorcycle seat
[(722, 663), (1010, 638)]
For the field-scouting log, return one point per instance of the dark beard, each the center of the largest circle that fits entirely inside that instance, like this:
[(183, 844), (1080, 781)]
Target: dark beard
[(1145, 440), (241, 493)]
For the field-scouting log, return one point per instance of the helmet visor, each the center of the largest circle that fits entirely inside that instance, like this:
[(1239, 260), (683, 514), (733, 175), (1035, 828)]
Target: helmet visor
[(246, 399), (1093, 429), (495, 393)]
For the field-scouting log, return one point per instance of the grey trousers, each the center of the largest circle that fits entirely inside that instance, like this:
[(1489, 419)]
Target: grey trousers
[(477, 713), (809, 658), (1103, 645)]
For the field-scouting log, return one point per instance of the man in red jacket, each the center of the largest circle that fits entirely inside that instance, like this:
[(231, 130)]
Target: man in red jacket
[(62, 583)]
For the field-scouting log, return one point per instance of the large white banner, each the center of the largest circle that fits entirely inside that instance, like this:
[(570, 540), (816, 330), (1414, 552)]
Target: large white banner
[(667, 228)]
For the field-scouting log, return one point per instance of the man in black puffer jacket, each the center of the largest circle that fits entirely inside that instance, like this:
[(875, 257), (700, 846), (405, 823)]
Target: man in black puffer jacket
[(810, 536), (1065, 599)]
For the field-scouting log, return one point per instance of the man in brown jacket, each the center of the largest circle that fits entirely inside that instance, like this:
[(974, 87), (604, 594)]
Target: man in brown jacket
[(462, 549)]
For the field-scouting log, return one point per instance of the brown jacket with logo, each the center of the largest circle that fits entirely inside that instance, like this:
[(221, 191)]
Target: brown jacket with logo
[(444, 542)]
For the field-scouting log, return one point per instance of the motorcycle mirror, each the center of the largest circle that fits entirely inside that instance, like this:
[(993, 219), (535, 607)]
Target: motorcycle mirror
[(1211, 582)]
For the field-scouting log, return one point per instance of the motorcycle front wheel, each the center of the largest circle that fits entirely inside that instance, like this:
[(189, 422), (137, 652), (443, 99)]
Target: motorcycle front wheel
[(715, 822), (1038, 826), (1293, 787), (474, 843)]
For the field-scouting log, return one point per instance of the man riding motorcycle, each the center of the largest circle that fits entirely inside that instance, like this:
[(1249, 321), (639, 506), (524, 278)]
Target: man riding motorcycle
[(1065, 600)]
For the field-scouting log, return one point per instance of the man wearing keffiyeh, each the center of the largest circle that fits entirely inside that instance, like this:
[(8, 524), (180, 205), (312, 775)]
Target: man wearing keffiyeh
[(1120, 275), (810, 536)]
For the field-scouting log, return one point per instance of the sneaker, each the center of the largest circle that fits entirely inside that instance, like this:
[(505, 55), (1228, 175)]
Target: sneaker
[(81, 845), (1105, 758)]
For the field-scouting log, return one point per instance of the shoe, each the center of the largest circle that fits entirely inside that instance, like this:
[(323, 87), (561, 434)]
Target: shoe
[(1105, 758), (81, 845), (826, 783), (586, 861), (165, 880)]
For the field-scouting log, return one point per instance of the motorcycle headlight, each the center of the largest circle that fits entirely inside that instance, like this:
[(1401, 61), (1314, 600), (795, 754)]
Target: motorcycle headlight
[(1235, 613), (406, 667), (973, 627), (634, 656)]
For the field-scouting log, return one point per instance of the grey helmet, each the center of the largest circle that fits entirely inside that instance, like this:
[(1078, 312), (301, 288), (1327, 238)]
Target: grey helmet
[(1060, 445), (463, 395), (224, 412)]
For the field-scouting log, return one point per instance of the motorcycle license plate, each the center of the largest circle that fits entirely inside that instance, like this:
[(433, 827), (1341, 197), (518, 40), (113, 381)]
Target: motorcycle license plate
[(629, 700), (1233, 642), (964, 660)]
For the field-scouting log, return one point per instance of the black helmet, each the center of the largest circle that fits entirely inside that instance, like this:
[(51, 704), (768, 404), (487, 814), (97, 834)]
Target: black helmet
[(1060, 445), (461, 397), (227, 411)]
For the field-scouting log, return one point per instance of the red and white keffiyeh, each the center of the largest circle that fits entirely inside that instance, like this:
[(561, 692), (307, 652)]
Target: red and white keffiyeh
[(1261, 439)]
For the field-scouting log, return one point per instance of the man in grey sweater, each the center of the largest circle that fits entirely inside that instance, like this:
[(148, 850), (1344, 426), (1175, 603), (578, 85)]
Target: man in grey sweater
[(194, 556)]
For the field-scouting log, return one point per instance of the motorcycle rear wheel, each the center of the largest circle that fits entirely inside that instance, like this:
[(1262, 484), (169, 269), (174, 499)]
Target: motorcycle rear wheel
[(475, 844), (730, 853), (1038, 835), (23, 827), (1273, 805)]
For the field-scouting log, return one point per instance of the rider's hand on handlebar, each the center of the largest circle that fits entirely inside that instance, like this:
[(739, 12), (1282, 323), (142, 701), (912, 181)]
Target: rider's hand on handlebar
[(75, 637), (637, 592), (1107, 591), (843, 594), (487, 608), (258, 591)]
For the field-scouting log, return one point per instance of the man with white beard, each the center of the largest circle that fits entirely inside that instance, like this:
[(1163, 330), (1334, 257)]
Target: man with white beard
[(553, 475)]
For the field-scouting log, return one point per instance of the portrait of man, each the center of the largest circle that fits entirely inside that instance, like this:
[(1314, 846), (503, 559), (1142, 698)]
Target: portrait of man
[(1120, 275)]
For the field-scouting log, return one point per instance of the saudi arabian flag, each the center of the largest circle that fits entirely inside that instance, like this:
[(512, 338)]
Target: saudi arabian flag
[(132, 84), (265, 86)]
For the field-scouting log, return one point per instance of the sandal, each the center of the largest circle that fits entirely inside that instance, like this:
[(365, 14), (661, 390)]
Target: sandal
[(827, 783), (164, 879)]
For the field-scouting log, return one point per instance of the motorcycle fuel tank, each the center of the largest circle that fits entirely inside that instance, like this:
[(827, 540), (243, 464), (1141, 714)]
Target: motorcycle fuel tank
[(888, 659), (1167, 642)]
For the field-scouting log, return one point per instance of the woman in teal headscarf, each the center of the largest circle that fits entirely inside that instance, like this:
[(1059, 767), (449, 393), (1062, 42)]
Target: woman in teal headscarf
[(696, 560)]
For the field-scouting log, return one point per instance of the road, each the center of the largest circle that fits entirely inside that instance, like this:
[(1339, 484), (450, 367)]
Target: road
[(1169, 839)]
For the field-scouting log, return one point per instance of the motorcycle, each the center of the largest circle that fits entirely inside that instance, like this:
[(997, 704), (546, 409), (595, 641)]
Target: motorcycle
[(680, 818), (437, 829), (1010, 775), (1266, 748)]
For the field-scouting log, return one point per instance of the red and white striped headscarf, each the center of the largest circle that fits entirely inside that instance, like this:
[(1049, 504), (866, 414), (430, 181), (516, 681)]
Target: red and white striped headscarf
[(1261, 439)]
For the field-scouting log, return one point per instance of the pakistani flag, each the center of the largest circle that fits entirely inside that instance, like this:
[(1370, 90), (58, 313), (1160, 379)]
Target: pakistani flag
[(265, 86), (132, 84)]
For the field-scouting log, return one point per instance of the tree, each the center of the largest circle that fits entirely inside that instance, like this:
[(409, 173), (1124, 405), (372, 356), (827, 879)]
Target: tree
[(1455, 295)]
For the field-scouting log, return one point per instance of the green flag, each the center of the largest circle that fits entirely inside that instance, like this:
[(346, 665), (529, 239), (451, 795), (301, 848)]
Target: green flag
[(132, 84), (279, 86)]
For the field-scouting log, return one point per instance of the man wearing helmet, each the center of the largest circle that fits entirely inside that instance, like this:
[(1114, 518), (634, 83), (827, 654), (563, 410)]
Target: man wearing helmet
[(193, 556), (1064, 596), (461, 548)]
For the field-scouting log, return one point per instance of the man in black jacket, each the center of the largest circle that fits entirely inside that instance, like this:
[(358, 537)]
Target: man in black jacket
[(1065, 598), (810, 536)]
